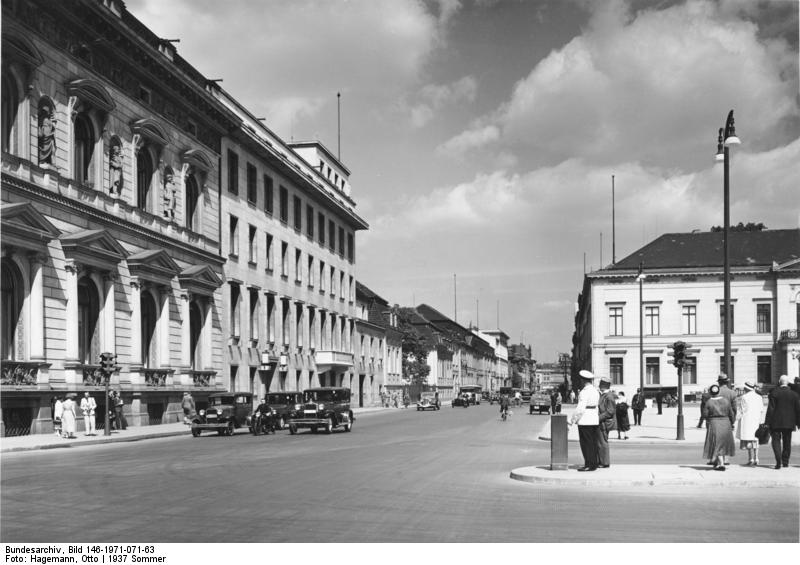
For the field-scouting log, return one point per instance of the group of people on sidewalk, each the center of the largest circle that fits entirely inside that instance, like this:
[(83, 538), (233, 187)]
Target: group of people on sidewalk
[(599, 412), (65, 413)]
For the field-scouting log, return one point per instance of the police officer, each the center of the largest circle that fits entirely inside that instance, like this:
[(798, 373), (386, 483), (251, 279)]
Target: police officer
[(607, 416), (586, 416)]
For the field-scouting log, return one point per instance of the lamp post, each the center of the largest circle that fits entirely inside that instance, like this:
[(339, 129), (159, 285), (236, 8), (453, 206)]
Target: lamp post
[(640, 278), (726, 139)]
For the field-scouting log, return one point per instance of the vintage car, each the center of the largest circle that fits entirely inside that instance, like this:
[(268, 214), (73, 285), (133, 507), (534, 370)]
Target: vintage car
[(540, 402), (526, 395), (462, 399), (284, 403), (428, 401), (226, 412), (325, 407), (473, 392), (494, 397)]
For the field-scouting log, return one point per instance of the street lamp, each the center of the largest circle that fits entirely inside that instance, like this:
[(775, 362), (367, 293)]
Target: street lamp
[(726, 139), (640, 277)]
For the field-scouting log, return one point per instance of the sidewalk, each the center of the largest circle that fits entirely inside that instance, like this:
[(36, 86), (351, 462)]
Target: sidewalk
[(133, 433)]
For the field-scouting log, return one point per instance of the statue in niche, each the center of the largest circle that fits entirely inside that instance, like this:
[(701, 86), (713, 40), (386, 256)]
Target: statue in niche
[(115, 160), (47, 134), (168, 194)]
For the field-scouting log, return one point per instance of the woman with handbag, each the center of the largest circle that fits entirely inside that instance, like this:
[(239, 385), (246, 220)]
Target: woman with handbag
[(719, 431), (749, 417)]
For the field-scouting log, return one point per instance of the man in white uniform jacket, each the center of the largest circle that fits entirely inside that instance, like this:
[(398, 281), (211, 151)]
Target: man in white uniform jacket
[(587, 418)]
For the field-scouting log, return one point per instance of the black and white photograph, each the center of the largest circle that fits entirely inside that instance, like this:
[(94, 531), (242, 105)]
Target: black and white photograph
[(422, 279)]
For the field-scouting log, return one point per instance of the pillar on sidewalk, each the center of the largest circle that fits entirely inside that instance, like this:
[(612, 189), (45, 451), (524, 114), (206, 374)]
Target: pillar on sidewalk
[(558, 442)]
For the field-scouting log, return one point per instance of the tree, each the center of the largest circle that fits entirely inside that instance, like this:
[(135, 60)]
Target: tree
[(415, 351), (749, 226)]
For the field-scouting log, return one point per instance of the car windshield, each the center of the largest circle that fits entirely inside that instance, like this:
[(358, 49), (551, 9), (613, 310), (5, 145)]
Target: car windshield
[(320, 395), (220, 400), (280, 398)]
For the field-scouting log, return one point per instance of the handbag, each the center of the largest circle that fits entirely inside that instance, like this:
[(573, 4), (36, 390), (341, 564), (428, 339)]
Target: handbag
[(762, 433)]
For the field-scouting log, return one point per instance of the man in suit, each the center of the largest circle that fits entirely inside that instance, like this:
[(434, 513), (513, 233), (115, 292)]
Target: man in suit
[(586, 417), (88, 407), (726, 391), (607, 416), (660, 401), (638, 404), (783, 415)]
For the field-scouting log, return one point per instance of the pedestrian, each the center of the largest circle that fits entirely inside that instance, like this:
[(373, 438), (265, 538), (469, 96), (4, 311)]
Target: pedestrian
[(623, 423), (88, 407), (796, 386), (719, 435), (117, 405), (783, 415), (68, 417), (518, 398), (58, 413), (188, 407), (607, 418), (637, 404), (726, 391), (748, 420), (659, 400), (703, 399), (558, 403), (586, 416)]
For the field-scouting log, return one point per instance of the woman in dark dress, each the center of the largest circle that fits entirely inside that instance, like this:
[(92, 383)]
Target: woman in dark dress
[(623, 424), (720, 417)]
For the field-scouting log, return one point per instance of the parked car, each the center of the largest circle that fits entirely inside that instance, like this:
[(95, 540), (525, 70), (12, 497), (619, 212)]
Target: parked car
[(226, 412), (462, 399), (324, 407), (494, 397), (428, 401), (526, 395), (473, 392), (284, 403), (540, 402)]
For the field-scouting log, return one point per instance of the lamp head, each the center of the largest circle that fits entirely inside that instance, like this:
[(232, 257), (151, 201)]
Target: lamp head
[(720, 156), (730, 132)]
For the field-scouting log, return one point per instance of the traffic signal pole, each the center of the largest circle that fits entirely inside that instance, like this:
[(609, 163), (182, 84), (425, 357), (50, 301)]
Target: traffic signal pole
[(680, 404)]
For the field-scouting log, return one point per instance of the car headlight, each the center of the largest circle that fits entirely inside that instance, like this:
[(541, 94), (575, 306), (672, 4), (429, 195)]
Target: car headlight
[(320, 406), (298, 406), (202, 412)]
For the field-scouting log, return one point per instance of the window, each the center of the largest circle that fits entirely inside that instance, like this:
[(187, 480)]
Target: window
[(310, 271), (651, 320), (322, 276), (321, 228), (615, 320), (722, 367), (298, 265), (192, 200), (271, 318), (149, 317), (341, 285), (615, 370), (233, 234), (341, 241), (233, 172), (332, 288), (689, 371), (144, 178), (298, 318), (284, 259), (252, 183), (352, 289), (312, 334), (722, 319), (351, 255), (689, 319), (285, 321), (331, 235), (269, 254), (298, 213), (12, 300), (651, 371), (10, 97), (252, 245), (195, 333), (255, 314), (269, 196), (284, 204), (83, 148), (235, 305), (764, 368), (310, 221), (763, 318)]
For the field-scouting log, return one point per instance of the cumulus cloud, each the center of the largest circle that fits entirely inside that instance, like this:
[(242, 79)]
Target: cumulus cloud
[(434, 96), (468, 140)]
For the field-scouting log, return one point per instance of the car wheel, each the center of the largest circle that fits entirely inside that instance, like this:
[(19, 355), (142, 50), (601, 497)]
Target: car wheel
[(292, 429), (313, 429), (281, 423), (195, 432), (328, 426), (229, 429), (220, 432), (348, 426)]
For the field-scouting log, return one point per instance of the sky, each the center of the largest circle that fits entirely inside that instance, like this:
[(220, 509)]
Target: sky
[(482, 135)]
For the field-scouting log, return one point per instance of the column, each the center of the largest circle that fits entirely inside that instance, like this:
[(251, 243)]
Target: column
[(36, 323), (164, 358), (136, 324), (71, 270), (109, 314), (207, 334)]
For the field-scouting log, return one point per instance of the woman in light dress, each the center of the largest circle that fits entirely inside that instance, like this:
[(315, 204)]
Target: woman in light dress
[(68, 418), (749, 417)]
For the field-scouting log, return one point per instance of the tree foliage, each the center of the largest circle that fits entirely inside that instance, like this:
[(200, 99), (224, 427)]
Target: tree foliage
[(749, 226), (415, 351)]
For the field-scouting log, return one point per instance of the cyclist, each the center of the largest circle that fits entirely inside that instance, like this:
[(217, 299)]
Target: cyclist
[(504, 406)]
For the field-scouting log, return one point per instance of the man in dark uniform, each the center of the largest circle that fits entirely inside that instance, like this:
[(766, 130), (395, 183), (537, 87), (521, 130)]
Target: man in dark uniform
[(659, 400), (607, 416), (638, 404)]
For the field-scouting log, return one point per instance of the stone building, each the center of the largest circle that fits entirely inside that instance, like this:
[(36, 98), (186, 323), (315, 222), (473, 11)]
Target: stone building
[(682, 299), (378, 351), (110, 205)]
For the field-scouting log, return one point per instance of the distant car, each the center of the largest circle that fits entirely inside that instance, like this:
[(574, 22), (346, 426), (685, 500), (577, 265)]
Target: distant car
[(428, 401), (494, 397), (461, 400), (325, 407), (226, 412), (526, 395), (486, 395), (284, 403), (539, 402)]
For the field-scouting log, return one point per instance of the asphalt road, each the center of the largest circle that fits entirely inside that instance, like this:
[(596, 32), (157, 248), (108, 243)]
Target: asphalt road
[(399, 476)]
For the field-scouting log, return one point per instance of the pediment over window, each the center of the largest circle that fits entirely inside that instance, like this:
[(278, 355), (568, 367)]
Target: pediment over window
[(27, 228), (198, 159), (96, 248), (151, 130), (92, 93), (155, 266), (200, 279), (17, 47)]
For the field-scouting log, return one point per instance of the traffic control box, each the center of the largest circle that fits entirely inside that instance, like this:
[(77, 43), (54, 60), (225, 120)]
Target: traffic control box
[(558, 442)]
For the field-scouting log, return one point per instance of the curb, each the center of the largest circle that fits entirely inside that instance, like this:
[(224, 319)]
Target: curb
[(98, 441), (640, 441)]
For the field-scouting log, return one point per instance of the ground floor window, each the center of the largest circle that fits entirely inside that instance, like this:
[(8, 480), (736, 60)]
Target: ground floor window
[(722, 367), (652, 373), (764, 368), (690, 371), (615, 370)]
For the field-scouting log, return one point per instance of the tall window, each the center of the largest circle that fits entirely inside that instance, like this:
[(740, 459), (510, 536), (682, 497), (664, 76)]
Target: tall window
[(12, 308), (321, 227), (722, 319), (332, 288), (252, 245), (149, 314), (144, 178), (690, 371), (252, 184), (233, 235), (284, 259), (298, 213), (269, 196), (233, 172), (284, 204), (298, 265), (341, 241), (651, 320), (652, 371), (298, 318), (192, 199), (269, 256), (722, 366), (195, 331), (331, 235), (341, 285), (763, 318), (271, 318), (351, 250), (310, 221), (235, 319), (689, 316), (83, 148), (615, 370), (255, 313), (615, 320), (764, 368), (310, 270), (322, 276), (10, 108)]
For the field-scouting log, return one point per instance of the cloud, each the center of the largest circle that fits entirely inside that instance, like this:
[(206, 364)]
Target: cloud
[(469, 140), (434, 96)]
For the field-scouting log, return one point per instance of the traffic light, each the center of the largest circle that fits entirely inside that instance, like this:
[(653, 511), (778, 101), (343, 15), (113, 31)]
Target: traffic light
[(107, 363), (679, 353)]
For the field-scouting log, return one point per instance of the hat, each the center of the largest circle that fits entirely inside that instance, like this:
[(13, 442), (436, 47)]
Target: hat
[(722, 377), (605, 381), (588, 375), (749, 385)]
